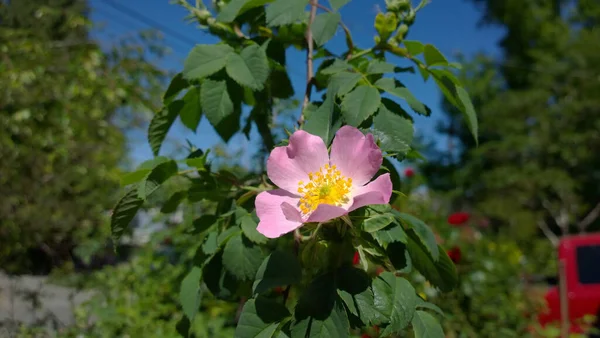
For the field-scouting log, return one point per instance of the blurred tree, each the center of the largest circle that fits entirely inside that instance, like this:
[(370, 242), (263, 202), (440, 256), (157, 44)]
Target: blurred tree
[(59, 143), (540, 114)]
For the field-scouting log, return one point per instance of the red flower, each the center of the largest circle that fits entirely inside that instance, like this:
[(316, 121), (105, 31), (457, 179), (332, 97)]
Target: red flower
[(364, 335), (379, 270), (455, 254), (356, 258), (458, 218), (278, 289), (408, 172)]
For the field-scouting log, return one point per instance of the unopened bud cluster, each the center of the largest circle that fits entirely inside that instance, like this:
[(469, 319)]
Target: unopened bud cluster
[(405, 15)]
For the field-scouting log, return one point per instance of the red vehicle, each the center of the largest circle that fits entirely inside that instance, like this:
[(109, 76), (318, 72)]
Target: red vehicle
[(580, 257)]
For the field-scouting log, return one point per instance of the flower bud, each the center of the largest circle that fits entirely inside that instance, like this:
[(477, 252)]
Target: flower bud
[(397, 5), (410, 18), (402, 31)]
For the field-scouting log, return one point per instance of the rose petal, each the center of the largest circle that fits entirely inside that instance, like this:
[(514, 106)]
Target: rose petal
[(270, 207), (326, 212), (377, 192), (355, 155), (291, 164)]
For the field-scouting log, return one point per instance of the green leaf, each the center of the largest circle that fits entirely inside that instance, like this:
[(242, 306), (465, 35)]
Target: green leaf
[(424, 233), (281, 85), (343, 82), (414, 48), (426, 326), (160, 124), (390, 234), (469, 112), (216, 101), (399, 257), (283, 12), (242, 258), (231, 10), (260, 318), (336, 67), (441, 273), (157, 176), (173, 202), (133, 177), (320, 312), (197, 160), (218, 280), (380, 67), (355, 290), (359, 104), (281, 268), (189, 293), (337, 4), (319, 122), (250, 68), (403, 93), (421, 304), (395, 132), (123, 213), (205, 60), (210, 245), (191, 111), (433, 57), (177, 85), (203, 223), (324, 27), (396, 299), (377, 222), (248, 223)]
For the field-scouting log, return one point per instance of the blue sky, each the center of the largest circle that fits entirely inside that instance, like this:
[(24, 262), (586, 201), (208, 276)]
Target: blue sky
[(450, 25)]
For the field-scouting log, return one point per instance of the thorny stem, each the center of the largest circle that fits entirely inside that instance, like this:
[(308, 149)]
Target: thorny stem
[(309, 59)]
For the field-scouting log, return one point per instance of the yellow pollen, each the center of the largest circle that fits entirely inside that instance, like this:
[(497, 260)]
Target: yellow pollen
[(326, 186)]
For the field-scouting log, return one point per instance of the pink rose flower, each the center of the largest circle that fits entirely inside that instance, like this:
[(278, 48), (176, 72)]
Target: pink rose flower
[(316, 187)]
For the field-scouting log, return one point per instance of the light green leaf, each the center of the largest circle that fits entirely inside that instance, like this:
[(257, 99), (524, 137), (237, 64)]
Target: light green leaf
[(189, 293), (324, 27), (177, 85), (359, 104), (319, 121), (205, 60), (134, 176), (396, 299), (242, 258), (250, 68), (260, 318), (337, 4), (426, 326), (281, 268), (156, 177), (414, 47), (283, 12), (377, 222), (123, 213), (441, 273), (336, 67), (231, 10), (216, 101), (390, 234), (380, 67), (210, 244), (421, 304), (426, 236), (191, 112), (343, 82), (433, 57), (395, 132), (160, 124), (197, 159), (469, 112), (403, 93), (248, 223)]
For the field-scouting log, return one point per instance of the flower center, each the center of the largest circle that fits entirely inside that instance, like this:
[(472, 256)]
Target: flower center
[(326, 186)]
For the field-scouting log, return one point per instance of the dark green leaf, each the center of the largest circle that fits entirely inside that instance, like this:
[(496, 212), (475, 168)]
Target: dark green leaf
[(210, 244), (469, 112), (123, 213), (203, 223), (242, 258), (396, 132), (281, 85), (389, 234), (227, 234), (441, 273), (189, 293), (248, 223), (434, 57), (354, 288), (399, 257), (197, 159), (337, 4), (218, 280), (279, 269), (283, 12), (173, 202), (177, 84), (426, 326), (414, 47), (157, 176), (191, 112), (205, 60), (250, 68), (377, 222), (396, 299), (421, 304), (424, 233), (403, 93), (319, 122), (134, 176), (260, 318), (343, 82), (360, 104), (324, 27), (160, 124), (216, 101), (183, 326), (380, 67), (336, 67)]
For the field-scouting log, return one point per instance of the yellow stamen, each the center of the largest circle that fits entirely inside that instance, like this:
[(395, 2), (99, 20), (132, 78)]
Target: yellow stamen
[(326, 186)]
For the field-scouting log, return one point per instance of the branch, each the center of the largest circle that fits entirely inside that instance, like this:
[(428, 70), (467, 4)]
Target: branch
[(309, 59), (561, 219), (549, 234), (589, 218)]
